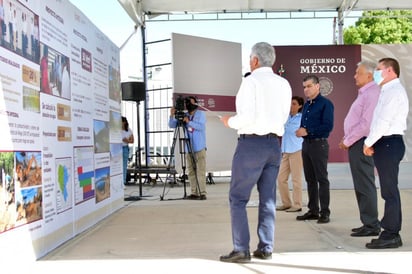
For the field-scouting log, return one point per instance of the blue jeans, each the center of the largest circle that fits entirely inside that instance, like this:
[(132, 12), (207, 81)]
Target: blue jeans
[(125, 161), (255, 162)]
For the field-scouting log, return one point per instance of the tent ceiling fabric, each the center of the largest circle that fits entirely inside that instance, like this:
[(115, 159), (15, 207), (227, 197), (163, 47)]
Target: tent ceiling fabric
[(137, 9)]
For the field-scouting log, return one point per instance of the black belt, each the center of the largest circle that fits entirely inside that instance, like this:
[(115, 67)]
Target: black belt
[(392, 136), (270, 135), (311, 140)]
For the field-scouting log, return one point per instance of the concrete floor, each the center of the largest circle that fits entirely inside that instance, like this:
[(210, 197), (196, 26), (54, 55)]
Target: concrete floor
[(185, 236)]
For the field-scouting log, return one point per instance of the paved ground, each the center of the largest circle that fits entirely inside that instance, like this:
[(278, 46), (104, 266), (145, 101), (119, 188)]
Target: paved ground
[(183, 236)]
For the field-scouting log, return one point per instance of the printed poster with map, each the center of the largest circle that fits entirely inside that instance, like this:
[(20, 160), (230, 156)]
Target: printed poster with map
[(64, 196)]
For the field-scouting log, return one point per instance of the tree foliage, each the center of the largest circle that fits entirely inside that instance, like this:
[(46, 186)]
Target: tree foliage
[(381, 27)]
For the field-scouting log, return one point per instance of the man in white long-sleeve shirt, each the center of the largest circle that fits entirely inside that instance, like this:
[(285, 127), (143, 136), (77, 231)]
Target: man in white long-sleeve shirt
[(385, 143), (262, 108)]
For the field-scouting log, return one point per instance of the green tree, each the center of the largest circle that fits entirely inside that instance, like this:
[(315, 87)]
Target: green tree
[(381, 27)]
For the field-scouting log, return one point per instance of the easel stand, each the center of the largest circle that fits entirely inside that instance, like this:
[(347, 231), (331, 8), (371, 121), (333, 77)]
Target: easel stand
[(181, 135)]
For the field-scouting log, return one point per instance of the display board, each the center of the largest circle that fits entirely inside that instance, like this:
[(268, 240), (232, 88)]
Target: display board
[(60, 115)]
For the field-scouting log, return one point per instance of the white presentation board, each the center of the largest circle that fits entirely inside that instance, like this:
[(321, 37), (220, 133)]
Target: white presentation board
[(211, 70), (60, 115)]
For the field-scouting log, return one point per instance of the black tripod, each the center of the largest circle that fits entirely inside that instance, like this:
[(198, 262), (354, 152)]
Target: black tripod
[(184, 143)]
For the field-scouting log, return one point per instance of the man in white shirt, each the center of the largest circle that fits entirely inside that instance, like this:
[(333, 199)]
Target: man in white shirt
[(65, 83), (262, 108), (386, 144)]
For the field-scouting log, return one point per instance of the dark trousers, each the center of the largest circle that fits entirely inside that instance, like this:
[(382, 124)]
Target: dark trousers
[(389, 151), (315, 154), (363, 176), (255, 163)]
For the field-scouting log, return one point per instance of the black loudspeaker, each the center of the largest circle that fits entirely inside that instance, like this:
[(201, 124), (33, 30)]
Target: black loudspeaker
[(133, 91)]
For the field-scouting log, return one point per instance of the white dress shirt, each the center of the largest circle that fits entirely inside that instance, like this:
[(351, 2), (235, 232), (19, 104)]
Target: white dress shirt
[(262, 103), (390, 113)]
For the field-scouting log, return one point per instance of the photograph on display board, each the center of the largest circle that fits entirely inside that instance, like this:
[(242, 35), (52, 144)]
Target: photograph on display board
[(64, 134), (19, 30), (102, 185), (28, 168), (101, 136), (29, 203), (54, 73), (114, 84), (64, 112), (31, 100), (8, 214)]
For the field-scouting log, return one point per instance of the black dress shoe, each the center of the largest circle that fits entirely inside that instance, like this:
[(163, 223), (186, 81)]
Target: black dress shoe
[(307, 216), (366, 231), (203, 197), (381, 243), (236, 257), (323, 219), (356, 229), (262, 254)]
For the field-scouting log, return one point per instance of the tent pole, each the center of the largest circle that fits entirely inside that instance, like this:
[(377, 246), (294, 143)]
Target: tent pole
[(146, 118), (340, 27)]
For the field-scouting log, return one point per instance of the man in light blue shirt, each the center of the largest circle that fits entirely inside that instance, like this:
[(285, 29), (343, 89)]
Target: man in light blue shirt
[(194, 122)]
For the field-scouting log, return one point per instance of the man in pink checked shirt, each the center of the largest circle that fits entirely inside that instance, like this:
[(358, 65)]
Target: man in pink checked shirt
[(356, 128)]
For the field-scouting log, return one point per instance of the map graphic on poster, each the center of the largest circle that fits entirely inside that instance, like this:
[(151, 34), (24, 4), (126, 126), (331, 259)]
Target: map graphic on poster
[(83, 174), (64, 184)]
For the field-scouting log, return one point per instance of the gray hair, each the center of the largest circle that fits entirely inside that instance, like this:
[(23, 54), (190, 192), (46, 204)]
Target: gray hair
[(265, 53), (368, 65)]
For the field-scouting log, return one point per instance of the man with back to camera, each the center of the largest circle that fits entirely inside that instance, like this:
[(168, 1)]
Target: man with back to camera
[(385, 143), (262, 108), (195, 123), (316, 125), (356, 128)]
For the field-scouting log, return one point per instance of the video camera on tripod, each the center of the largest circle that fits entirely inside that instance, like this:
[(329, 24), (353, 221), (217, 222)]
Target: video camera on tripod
[(180, 112), (183, 105)]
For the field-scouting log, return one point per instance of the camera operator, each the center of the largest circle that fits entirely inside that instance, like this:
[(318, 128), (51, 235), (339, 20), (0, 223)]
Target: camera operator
[(194, 121)]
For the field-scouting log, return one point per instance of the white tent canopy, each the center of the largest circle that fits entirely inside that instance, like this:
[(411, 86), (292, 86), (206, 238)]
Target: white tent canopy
[(137, 9)]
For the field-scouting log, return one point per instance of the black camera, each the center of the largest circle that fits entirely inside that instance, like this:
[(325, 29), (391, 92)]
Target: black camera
[(184, 105), (180, 104)]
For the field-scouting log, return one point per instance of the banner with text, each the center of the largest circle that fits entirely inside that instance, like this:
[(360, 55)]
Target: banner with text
[(60, 150)]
